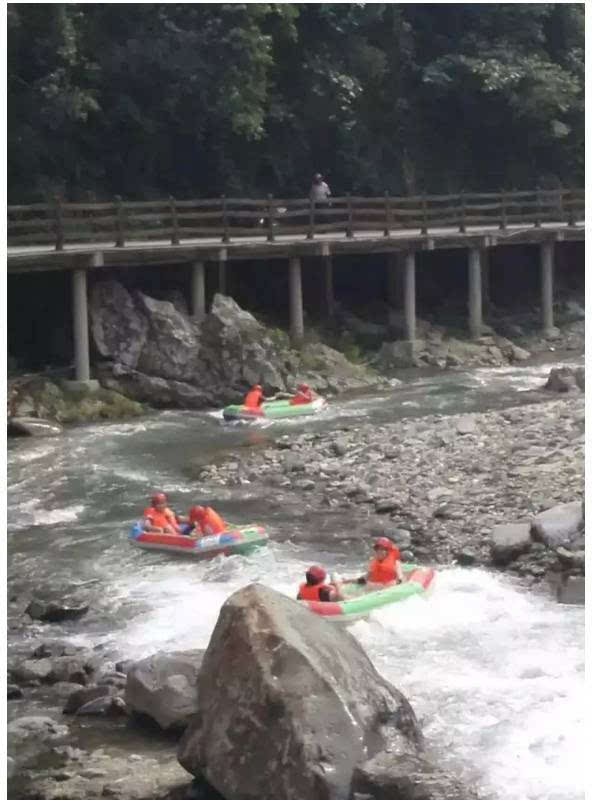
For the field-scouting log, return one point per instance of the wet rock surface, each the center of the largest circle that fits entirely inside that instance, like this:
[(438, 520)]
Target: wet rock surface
[(155, 352), (276, 686), (164, 687)]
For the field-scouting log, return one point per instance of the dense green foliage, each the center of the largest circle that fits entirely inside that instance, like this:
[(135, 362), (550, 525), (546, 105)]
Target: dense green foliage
[(202, 99)]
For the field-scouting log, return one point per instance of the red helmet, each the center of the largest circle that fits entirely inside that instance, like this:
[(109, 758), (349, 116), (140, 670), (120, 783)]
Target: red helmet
[(196, 512), (158, 498), (315, 574), (382, 543), (303, 387)]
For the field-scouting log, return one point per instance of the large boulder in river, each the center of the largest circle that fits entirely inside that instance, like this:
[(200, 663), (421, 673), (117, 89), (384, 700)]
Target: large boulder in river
[(289, 704), (153, 351), (164, 687)]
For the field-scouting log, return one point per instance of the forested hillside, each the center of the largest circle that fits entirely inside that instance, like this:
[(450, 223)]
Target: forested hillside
[(197, 100)]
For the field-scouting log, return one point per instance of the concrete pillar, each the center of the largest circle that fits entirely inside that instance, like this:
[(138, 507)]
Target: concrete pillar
[(222, 283), (475, 300), (296, 310), (80, 319), (547, 253), (409, 298), (198, 290)]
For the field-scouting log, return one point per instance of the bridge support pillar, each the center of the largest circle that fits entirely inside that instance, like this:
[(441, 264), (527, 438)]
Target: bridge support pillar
[(198, 290), (296, 308), (475, 298), (82, 380), (222, 278), (547, 253), (409, 297)]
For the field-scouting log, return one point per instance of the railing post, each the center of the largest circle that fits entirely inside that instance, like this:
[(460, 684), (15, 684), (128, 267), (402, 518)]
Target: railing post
[(504, 220), (463, 213), (311, 219), (270, 217), (225, 234), (59, 224), (537, 219), (120, 223), (349, 232), (424, 215), (388, 214), (174, 222)]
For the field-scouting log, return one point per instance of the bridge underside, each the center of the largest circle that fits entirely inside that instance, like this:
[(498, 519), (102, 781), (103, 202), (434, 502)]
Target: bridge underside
[(400, 250)]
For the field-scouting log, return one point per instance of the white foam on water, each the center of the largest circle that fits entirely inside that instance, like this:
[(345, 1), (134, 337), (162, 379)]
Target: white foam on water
[(55, 515), (496, 675)]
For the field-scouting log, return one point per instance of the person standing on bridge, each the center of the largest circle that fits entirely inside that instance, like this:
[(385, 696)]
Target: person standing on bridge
[(319, 191)]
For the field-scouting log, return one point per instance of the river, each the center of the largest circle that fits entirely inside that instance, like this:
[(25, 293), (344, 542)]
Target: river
[(494, 672)]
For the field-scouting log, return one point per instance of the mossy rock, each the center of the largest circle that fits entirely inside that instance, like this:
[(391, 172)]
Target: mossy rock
[(103, 404)]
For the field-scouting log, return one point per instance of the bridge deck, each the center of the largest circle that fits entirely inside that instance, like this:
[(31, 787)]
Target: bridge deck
[(21, 259)]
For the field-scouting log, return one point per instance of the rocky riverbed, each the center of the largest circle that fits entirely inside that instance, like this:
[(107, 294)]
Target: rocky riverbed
[(439, 484)]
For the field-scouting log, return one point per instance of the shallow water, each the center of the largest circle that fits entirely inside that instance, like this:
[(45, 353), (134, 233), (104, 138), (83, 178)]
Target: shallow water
[(495, 673)]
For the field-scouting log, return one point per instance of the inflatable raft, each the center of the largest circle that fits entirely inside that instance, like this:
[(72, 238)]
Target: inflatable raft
[(280, 409), (241, 540), (367, 597)]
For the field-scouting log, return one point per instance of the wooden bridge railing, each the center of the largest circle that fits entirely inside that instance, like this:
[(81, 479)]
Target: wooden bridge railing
[(128, 222)]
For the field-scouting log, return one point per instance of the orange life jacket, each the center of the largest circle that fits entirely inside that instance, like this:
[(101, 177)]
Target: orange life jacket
[(253, 399), (161, 519), (309, 591), (301, 398), (384, 571), (211, 522)]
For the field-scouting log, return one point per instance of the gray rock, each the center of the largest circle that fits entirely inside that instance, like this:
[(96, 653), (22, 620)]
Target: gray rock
[(436, 493), (164, 686), (519, 354), (54, 611), (109, 705), (13, 692), (509, 541), (32, 670), (581, 378), (466, 425), (30, 426), (118, 327), (406, 777), (559, 525), (84, 696), (277, 684), (561, 379)]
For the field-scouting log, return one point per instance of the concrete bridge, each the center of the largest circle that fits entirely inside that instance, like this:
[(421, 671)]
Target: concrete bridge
[(83, 238)]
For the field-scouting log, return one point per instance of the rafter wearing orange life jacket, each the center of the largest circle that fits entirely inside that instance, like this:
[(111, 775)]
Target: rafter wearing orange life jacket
[(383, 570), (302, 396), (253, 397), (209, 522), (315, 589), (159, 516)]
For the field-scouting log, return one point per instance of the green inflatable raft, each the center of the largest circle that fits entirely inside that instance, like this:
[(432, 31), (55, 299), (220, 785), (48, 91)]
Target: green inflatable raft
[(366, 598), (280, 409)]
